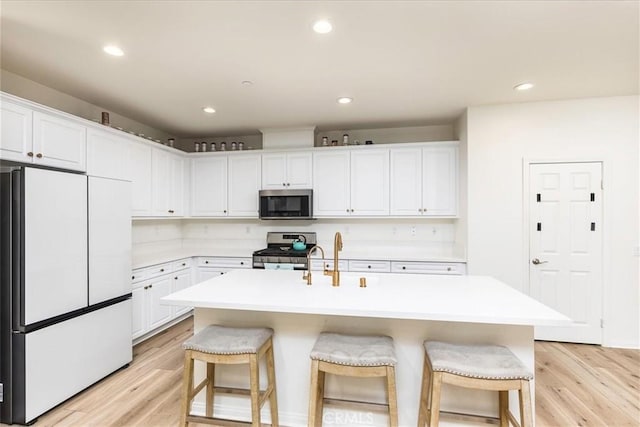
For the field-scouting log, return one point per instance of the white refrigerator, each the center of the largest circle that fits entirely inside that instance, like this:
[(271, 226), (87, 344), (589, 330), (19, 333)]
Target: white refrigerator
[(65, 289)]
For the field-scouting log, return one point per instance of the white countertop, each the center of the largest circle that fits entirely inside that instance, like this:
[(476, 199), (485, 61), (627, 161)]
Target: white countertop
[(391, 254), (474, 299)]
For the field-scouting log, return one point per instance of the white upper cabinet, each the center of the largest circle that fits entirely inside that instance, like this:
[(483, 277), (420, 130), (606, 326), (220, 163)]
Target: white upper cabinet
[(161, 182), (107, 155), (244, 183), (59, 142), (287, 170), (39, 138), (209, 186), (351, 183), (370, 182), (177, 186), (15, 128), (331, 192), (440, 181), (424, 181), (141, 178)]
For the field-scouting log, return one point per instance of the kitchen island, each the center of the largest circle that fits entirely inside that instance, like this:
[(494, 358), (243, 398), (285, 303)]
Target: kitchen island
[(408, 307)]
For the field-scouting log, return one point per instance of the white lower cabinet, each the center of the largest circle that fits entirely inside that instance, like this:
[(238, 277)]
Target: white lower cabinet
[(415, 267), (210, 267), (150, 285)]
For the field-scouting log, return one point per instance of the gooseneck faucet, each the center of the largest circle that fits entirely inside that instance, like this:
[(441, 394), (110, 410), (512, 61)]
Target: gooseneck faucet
[(337, 247), (307, 274)]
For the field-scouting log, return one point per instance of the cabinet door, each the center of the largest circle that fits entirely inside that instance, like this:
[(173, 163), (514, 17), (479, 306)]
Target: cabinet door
[(160, 182), (205, 274), (406, 181), (299, 170), (159, 313), (331, 184), (59, 142), (440, 181), (107, 155), (274, 173), (209, 186), (138, 312), (15, 132), (181, 280), (140, 161), (244, 183), (370, 182), (176, 193)]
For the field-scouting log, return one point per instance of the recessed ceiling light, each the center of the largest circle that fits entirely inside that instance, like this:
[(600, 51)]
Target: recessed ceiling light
[(345, 100), (209, 110), (523, 86), (247, 83), (113, 50), (322, 26)]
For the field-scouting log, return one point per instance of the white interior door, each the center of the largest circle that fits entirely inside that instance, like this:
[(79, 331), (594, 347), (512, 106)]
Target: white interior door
[(55, 242), (109, 239), (565, 247)]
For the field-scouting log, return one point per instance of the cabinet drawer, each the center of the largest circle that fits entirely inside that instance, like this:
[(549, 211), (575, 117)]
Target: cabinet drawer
[(230, 262), (377, 266), (318, 264), (140, 274), (181, 264), (160, 269), (428, 267)]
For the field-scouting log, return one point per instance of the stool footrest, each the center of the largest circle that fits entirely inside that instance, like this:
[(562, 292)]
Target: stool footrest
[(216, 421), (381, 407)]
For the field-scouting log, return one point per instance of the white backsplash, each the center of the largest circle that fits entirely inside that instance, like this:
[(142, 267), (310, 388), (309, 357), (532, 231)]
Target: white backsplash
[(428, 237)]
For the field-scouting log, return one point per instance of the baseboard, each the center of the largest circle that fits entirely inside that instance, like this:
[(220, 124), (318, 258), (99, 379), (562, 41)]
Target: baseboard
[(163, 327)]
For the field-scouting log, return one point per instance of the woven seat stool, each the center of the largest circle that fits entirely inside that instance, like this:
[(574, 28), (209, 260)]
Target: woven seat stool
[(354, 356), (220, 345), (485, 367)]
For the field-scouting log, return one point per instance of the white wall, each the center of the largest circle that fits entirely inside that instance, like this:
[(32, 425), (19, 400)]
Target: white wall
[(499, 139), (36, 92), (152, 236)]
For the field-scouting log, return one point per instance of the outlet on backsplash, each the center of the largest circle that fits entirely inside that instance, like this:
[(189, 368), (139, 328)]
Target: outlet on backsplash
[(412, 231)]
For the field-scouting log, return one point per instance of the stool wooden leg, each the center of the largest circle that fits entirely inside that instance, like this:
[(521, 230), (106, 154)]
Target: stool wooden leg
[(211, 374), (526, 418), (424, 395), (254, 380), (392, 396), (187, 388), (271, 376), (436, 389), (316, 395), (503, 408)]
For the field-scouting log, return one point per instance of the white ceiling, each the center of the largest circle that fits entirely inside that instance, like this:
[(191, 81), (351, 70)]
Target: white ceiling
[(404, 63)]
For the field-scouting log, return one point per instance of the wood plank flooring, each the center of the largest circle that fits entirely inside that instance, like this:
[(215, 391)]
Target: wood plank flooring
[(577, 385)]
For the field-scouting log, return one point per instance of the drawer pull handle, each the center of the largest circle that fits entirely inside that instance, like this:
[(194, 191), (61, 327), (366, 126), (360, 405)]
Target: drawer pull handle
[(241, 262), (206, 262), (404, 268), (184, 263), (39, 155), (448, 268), (368, 266), (146, 287), (30, 154), (175, 278), (161, 270), (150, 286), (133, 277)]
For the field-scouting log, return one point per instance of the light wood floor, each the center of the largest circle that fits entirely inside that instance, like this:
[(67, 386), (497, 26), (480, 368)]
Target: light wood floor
[(576, 385)]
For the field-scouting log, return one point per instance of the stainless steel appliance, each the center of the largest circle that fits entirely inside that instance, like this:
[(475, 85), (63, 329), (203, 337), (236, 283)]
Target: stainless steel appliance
[(286, 204), (279, 252), (65, 293)]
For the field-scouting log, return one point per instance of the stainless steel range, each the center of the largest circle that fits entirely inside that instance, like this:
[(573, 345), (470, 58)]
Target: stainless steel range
[(280, 253)]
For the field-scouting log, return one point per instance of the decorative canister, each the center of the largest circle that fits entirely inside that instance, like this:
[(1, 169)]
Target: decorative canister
[(240, 145), (325, 141), (196, 146), (345, 139), (223, 146), (213, 146), (234, 146), (203, 146), (172, 141)]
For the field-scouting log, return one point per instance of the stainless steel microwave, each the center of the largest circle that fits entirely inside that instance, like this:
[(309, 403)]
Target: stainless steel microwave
[(286, 204)]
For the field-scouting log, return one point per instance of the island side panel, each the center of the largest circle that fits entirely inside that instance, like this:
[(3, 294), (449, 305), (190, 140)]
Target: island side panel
[(295, 335)]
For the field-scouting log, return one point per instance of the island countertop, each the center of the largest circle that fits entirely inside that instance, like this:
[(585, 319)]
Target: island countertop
[(472, 299)]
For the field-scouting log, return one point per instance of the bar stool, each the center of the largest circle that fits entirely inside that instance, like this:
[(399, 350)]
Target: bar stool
[(485, 367), (230, 346), (354, 356)]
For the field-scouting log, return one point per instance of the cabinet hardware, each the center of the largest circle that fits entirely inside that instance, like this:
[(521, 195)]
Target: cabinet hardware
[(448, 268), (241, 262), (39, 155), (538, 197), (351, 210), (368, 266), (536, 261), (170, 211), (347, 210), (224, 211), (133, 277), (175, 278), (288, 184), (30, 154), (206, 262), (539, 226), (161, 270), (184, 263), (150, 286), (146, 287), (593, 226), (404, 268), (593, 197)]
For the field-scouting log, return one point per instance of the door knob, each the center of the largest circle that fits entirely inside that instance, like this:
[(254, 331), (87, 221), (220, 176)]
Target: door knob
[(536, 261)]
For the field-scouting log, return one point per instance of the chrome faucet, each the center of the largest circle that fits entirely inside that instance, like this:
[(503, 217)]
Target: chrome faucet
[(307, 274), (337, 247)]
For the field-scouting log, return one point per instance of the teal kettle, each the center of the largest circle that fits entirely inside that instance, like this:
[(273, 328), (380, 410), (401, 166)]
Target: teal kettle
[(299, 245)]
